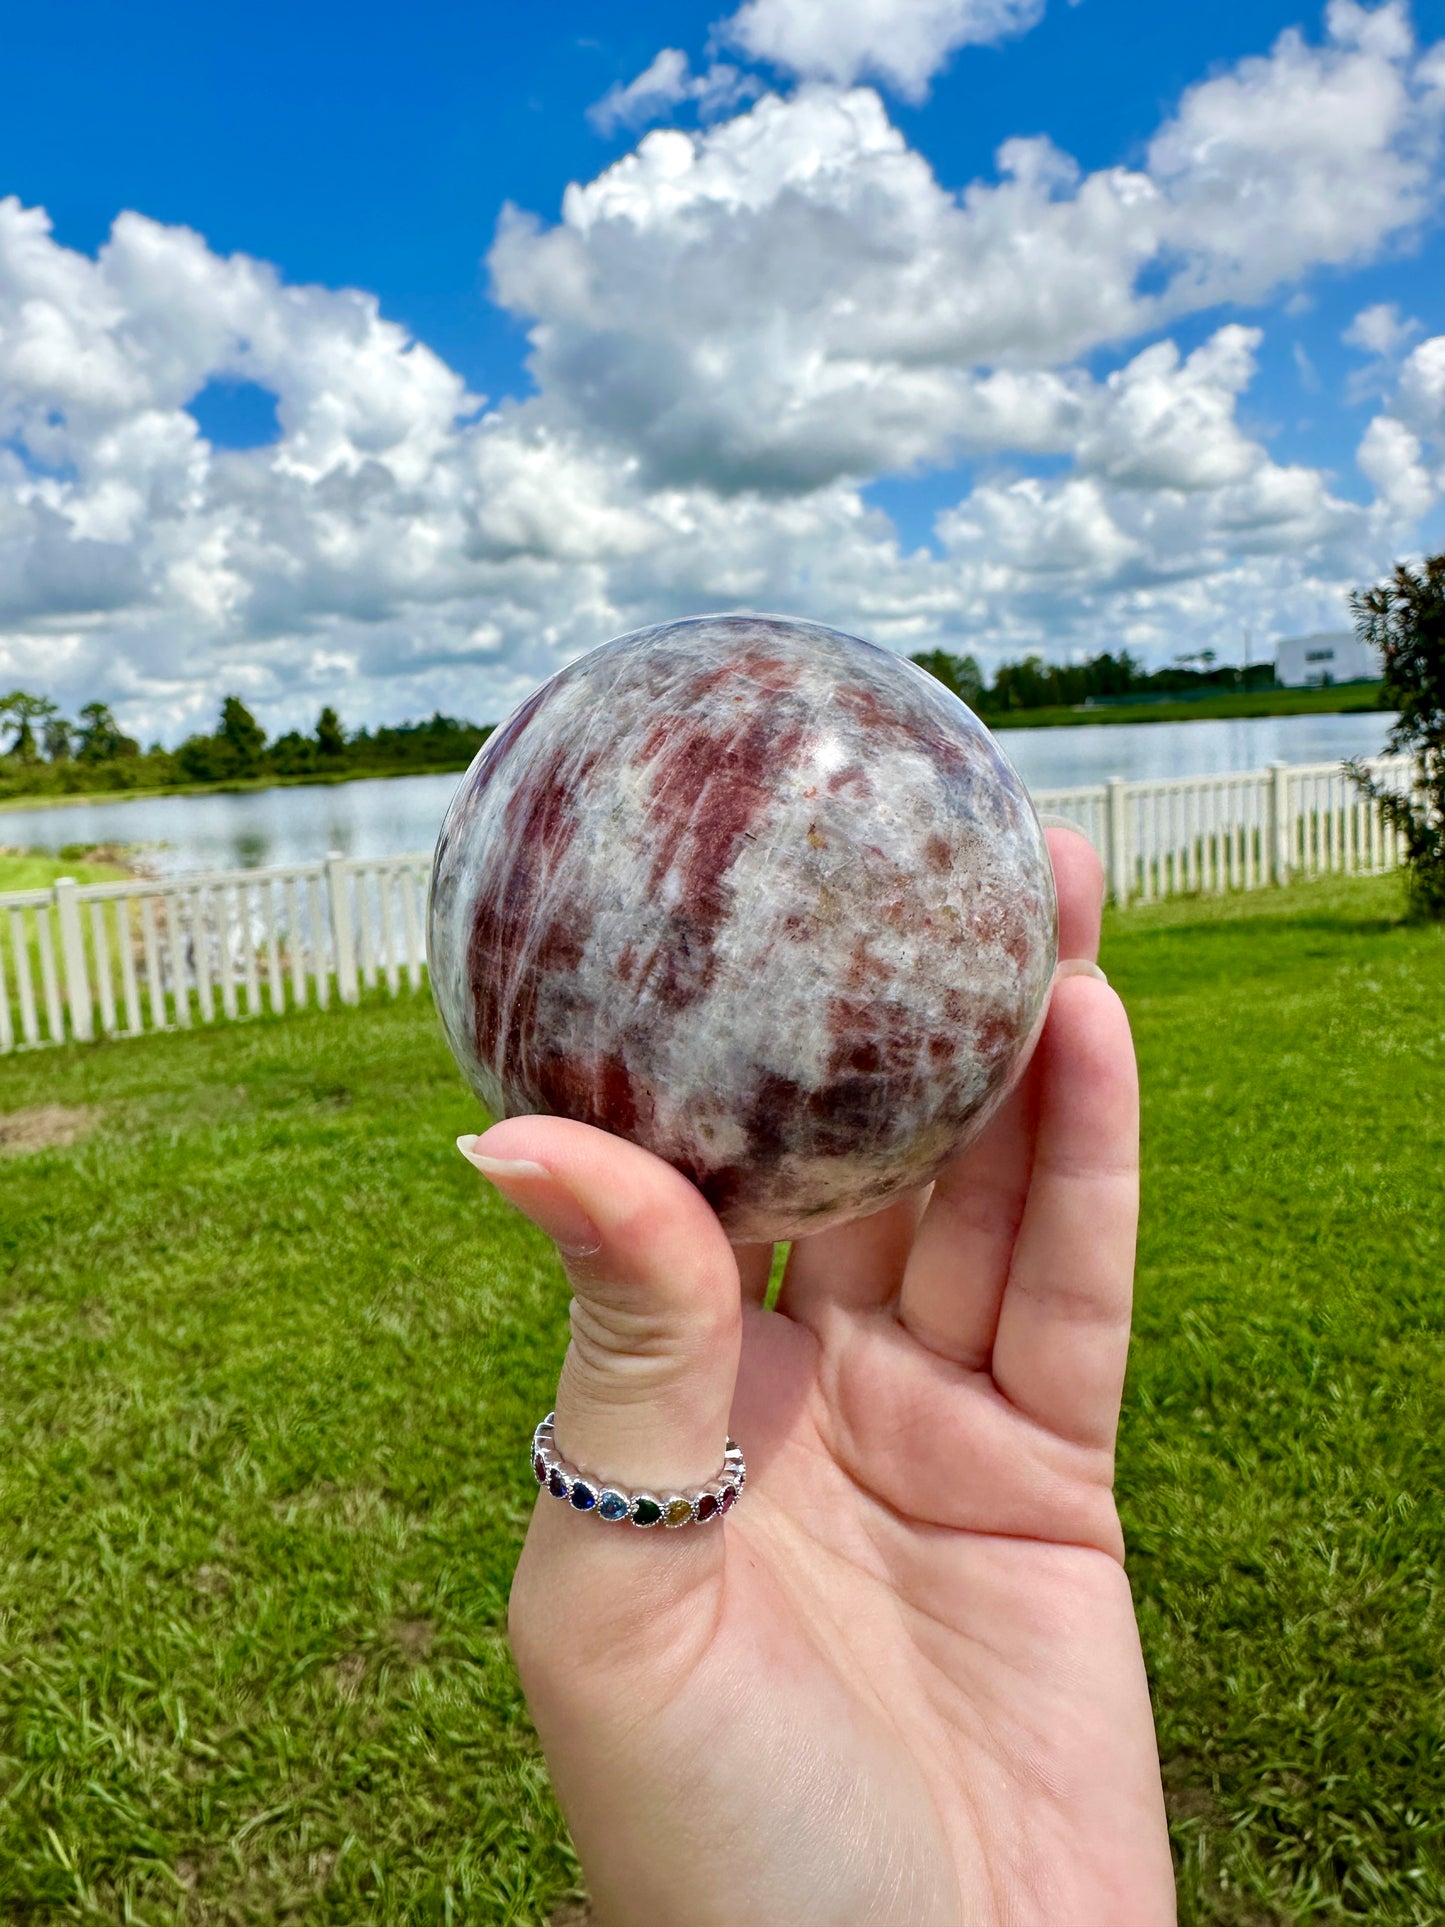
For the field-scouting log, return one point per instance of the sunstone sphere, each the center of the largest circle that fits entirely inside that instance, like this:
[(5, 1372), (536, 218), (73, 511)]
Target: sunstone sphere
[(759, 896)]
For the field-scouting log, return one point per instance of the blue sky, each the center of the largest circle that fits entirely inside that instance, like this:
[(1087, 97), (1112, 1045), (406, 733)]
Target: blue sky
[(848, 371)]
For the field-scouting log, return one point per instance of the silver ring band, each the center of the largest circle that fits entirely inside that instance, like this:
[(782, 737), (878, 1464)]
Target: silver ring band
[(695, 1505)]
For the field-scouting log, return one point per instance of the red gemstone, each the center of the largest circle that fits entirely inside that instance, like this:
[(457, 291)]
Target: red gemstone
[(729, 1497), (706, 1506), (539, 1466)]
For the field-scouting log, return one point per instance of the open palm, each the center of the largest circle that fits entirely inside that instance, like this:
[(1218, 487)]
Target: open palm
[(901, 1684)]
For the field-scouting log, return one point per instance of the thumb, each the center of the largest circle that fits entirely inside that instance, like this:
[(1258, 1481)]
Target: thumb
[(647, 1384)]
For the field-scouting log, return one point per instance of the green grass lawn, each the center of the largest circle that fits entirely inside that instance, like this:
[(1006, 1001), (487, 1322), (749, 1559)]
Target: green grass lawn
[(33, 870), (270, 1356)]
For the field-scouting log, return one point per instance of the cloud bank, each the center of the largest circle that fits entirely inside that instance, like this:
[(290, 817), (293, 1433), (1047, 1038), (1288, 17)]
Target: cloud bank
[(734, 332)]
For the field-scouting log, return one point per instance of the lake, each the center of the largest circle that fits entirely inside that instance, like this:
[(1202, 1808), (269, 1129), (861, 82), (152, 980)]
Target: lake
[(394, 816)]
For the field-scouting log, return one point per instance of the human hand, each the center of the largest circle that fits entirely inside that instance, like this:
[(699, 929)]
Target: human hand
[(900, 1685)]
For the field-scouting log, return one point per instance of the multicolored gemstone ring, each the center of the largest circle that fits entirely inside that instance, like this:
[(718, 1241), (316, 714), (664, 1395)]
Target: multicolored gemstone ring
[(613, 1502)]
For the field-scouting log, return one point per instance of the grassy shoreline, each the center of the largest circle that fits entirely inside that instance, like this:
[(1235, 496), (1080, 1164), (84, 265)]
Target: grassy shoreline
[(1339, 699), (37, 870), (235, 786)]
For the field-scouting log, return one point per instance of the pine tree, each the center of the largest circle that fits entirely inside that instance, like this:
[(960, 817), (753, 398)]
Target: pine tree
[(330, 736), (242, 734)]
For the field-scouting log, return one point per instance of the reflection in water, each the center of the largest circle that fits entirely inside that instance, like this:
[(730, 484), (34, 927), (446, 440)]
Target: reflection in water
[(1091, 753), (401, 815), (253, 851), (249, 829)]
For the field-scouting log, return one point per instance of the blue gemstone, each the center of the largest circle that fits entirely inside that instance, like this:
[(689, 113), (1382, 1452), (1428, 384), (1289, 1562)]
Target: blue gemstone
[(612, 1505), (583, 1497)]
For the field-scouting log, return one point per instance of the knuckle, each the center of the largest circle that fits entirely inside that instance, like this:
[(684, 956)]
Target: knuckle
[(647, 1224), (642, 1345)]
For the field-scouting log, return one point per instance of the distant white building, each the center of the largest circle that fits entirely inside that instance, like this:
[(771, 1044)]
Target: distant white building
[(1336, 656)]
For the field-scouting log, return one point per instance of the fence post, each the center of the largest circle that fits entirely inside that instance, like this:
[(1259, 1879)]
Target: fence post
[(1118, 837), (1279, 823), (342, 935), (72, 960)]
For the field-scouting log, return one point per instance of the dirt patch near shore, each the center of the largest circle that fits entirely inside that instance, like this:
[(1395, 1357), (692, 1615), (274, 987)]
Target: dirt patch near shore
[(112, 856), (45, 1127), (133, 859)]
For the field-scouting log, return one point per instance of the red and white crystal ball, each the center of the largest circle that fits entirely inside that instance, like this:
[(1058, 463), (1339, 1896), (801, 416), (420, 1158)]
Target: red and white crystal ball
[(759, 896)]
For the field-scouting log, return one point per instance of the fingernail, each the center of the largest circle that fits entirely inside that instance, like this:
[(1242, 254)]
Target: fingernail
[(1052, 821), (1079, 967), (499, 1167), (537, 1195)]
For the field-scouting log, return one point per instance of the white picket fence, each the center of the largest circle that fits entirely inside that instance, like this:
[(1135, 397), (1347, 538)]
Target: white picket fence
[(121, 959), (1179, 834), (124, 958)]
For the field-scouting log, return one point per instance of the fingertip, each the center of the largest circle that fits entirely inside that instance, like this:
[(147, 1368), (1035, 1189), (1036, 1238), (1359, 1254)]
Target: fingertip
[(1079, 967), (1079, 884)]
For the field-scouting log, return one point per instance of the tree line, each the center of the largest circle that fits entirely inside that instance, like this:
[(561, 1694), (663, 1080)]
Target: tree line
[(44, 752), (1034, 683), (48, 752)]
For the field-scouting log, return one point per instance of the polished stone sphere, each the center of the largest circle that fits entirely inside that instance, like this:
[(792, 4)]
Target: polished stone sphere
[(759, 896)]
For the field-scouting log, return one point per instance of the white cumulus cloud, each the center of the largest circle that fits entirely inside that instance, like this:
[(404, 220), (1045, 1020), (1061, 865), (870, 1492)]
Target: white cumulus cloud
[(792, 296), (1391, 456), (1305, 157), (902, 43), (1379, 329), (1402, 451), (665, 83)]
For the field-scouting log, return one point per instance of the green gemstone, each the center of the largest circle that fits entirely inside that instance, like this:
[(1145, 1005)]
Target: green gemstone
[(646, 1512)]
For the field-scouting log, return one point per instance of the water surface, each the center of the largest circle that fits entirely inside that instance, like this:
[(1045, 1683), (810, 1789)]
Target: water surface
[(396, 816)]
